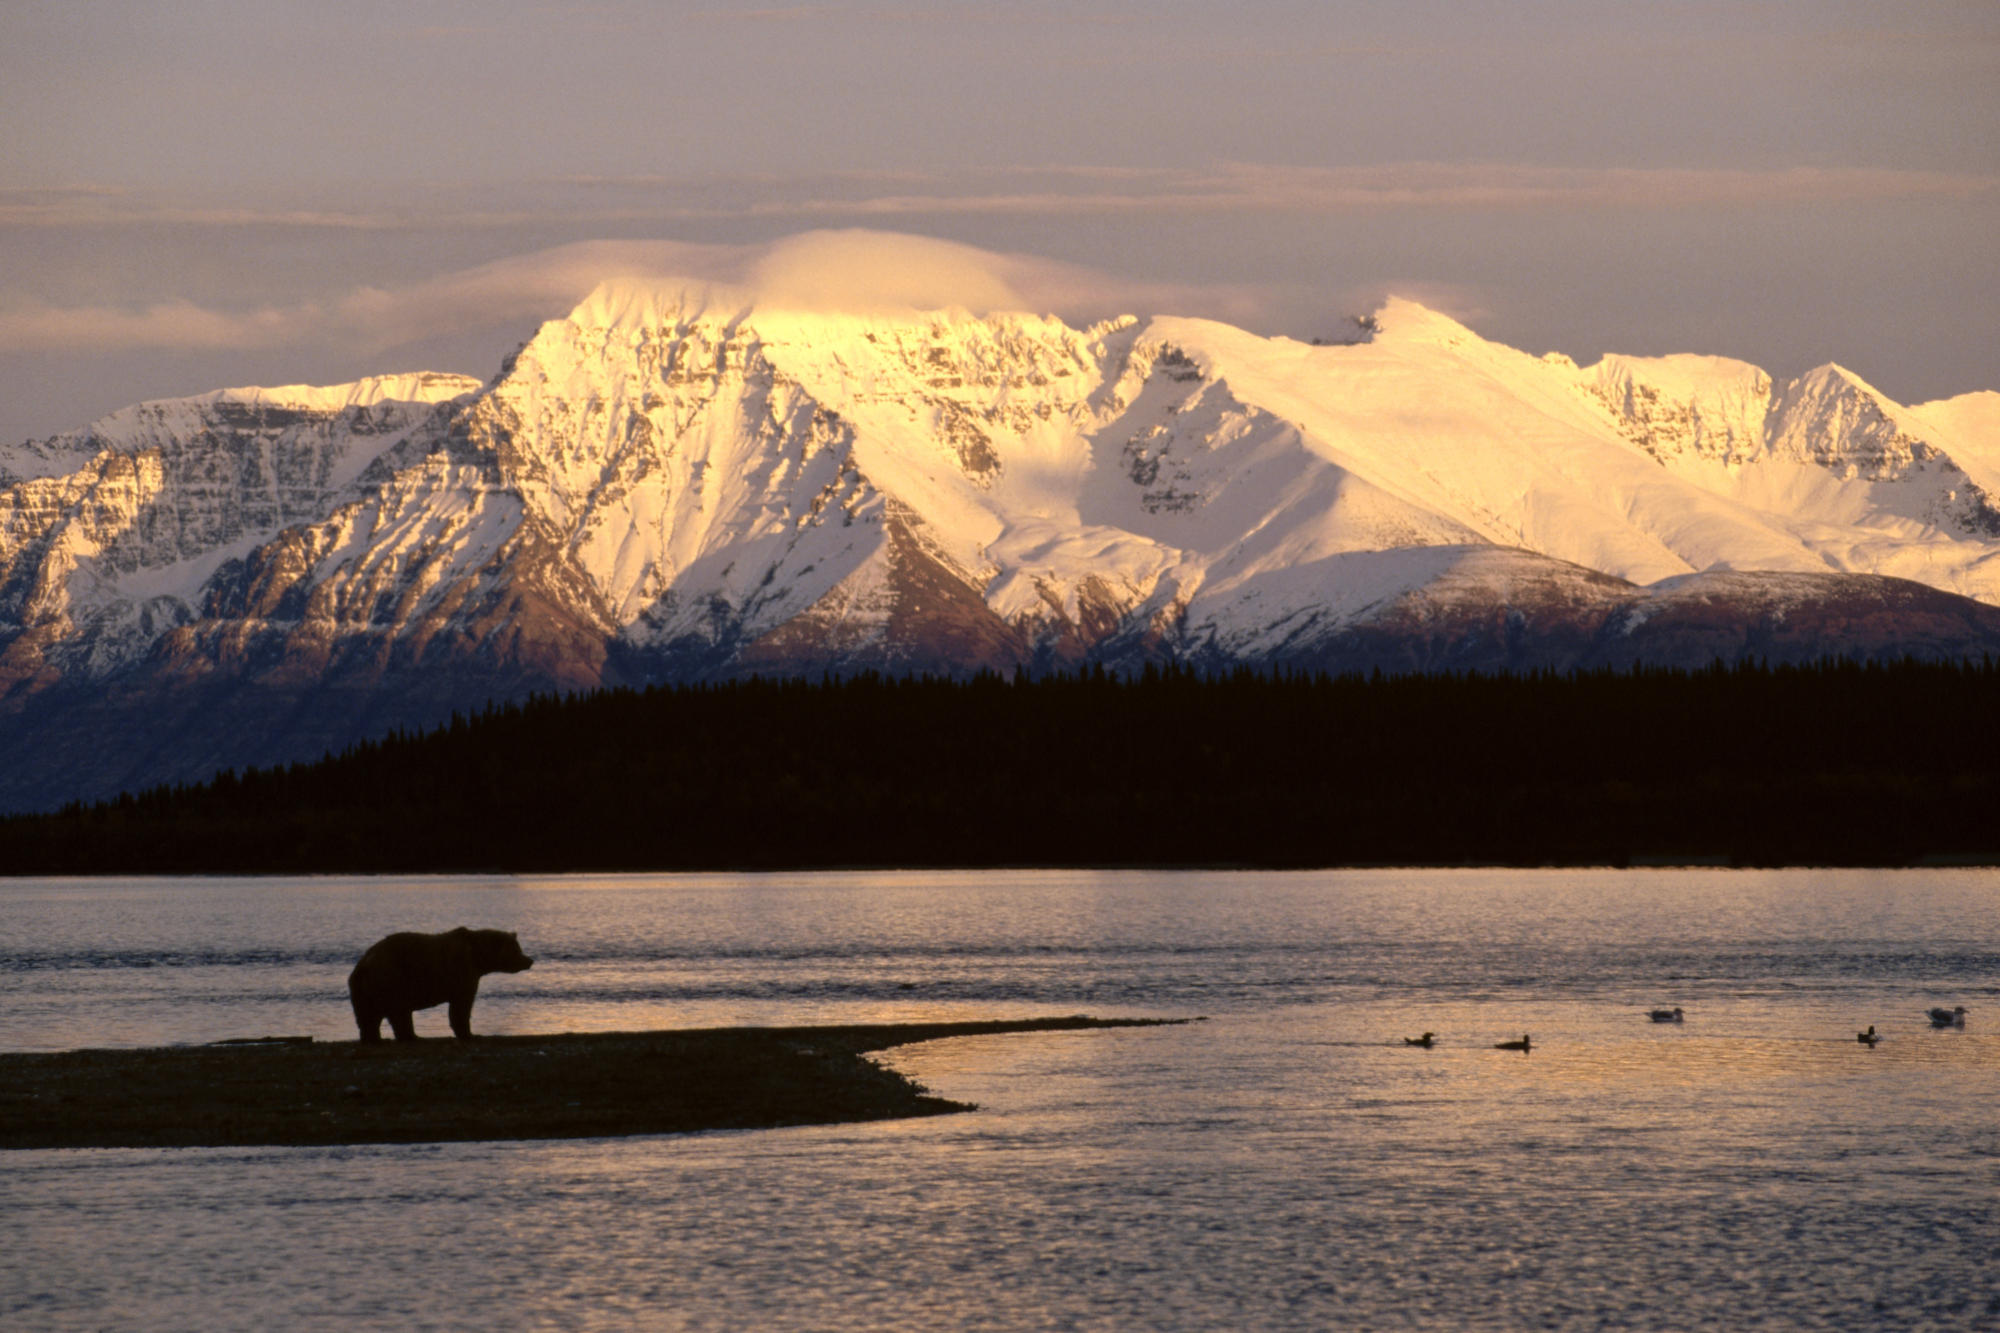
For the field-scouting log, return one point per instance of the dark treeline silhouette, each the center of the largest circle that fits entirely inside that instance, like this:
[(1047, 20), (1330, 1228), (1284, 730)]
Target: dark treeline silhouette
[(1840, 763)]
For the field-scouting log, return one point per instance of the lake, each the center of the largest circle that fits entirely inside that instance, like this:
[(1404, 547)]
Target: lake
[(1288, 1164)]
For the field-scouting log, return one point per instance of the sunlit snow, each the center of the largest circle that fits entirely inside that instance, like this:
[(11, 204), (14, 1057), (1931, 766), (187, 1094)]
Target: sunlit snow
[(702, 458)]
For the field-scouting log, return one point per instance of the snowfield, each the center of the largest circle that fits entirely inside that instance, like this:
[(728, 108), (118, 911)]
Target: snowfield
[(704, 479), (692, 468)]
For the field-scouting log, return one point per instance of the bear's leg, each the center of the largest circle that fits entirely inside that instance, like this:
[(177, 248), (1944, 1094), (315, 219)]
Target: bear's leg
[(369, 1023), (403, 1024), (461, 1017)]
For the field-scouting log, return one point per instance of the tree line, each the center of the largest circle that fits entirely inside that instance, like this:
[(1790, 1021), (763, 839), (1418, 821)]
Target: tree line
[(1834, 764)]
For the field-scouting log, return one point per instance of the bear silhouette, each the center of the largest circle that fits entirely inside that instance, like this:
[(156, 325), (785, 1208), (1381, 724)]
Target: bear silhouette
[(410, 970)]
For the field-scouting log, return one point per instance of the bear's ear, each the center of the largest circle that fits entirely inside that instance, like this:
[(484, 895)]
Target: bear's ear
[(512, 936), (463, 930)]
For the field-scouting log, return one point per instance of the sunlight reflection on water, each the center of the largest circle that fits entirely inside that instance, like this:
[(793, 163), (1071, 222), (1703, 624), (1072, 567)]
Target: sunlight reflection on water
[(1287, 1164)]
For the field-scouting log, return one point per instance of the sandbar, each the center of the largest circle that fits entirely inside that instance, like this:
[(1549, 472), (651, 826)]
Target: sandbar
[(298, 1092)]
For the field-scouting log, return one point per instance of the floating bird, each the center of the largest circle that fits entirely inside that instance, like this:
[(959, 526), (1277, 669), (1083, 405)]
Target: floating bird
[(1953, 1017), (1521, 1045), (1867, 1038), (1666, 1015), (1423, 1041)]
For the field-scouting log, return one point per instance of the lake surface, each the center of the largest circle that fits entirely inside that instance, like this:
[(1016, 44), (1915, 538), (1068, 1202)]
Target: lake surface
[(1288, 1164)]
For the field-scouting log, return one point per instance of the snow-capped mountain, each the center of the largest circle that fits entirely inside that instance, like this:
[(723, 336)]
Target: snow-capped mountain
[(678, 482)]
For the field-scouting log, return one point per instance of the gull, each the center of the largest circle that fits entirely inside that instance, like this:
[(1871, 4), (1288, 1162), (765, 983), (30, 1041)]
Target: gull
[(1672, 1015), (1953, 1017)]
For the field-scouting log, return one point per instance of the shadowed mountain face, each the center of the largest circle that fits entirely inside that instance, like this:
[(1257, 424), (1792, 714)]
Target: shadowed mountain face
[(656, 489)]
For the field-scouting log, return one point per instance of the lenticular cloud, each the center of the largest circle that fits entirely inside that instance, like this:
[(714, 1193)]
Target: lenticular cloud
[(857, 271)]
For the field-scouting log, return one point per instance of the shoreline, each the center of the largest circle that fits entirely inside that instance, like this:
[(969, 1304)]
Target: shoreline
[(288, 1092)]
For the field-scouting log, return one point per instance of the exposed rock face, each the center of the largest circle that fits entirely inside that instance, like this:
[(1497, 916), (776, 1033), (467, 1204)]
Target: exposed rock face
[(654, 488)]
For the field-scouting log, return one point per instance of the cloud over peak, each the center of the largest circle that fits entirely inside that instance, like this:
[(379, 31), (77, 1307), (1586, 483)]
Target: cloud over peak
[(848, 270)]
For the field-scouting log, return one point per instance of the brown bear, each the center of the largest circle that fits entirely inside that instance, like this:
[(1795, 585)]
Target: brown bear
[(409, 971)]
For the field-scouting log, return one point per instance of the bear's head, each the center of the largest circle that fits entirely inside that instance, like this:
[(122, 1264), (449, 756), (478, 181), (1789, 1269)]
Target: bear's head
[(498, 951)]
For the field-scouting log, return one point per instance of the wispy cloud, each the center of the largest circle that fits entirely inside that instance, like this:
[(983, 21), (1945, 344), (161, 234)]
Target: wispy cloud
[(1264, 188), (1468, 303), (526, 289), (108, 206), (36, 326), (1231, 188), (822, 269), (1409, 186)]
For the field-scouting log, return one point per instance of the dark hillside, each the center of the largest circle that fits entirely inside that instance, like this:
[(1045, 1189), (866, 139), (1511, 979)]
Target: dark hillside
[(1834, 764)]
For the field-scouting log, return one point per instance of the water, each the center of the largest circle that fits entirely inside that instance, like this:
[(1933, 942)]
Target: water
[(1288, 1164)]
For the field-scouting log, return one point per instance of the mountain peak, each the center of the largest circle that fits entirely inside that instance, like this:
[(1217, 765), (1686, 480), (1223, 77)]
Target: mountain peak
[(634, 303), (413, 386), (848, 276), (145, 424), (1836, 378), (1405, 320)]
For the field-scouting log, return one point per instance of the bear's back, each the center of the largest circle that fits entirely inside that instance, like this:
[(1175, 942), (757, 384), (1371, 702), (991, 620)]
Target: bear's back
[(412, 959)]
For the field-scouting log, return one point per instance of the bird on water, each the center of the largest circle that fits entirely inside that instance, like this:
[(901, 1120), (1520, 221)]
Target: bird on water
[(1522, 1045), (1666, 1015), (1867, 1038), (1953, 1017), (1423, 1041)]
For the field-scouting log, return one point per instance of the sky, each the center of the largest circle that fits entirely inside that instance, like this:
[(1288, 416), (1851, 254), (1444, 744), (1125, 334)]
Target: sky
[(198, 194)]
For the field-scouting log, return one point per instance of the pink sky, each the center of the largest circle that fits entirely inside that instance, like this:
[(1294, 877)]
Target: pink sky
[(207, 194)]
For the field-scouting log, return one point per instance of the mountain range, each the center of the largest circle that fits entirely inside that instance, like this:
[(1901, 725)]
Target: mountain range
[(681, 483)]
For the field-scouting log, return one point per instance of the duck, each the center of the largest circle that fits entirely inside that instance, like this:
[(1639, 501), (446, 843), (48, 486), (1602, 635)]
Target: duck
[(1867, 1038), (1953, 1017), (1666, 1015), (1523, 1044), (1424, 1041)]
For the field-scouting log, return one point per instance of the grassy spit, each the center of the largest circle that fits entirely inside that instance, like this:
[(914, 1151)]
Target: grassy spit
[(561, 1086)]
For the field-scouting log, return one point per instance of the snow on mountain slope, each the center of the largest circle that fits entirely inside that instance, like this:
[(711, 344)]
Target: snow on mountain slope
[(686, 454), (682, 481), (1492, 441), (109, 535), (1184, 481), (176, 423), (1971, 422), (700, 477), (1864, 484)]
